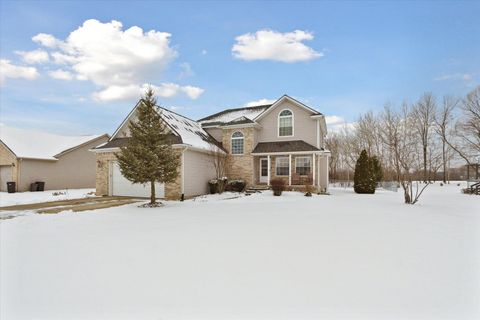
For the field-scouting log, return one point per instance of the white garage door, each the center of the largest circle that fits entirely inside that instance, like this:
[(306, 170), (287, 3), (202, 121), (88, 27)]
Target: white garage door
[(120, 186), (5, 176)]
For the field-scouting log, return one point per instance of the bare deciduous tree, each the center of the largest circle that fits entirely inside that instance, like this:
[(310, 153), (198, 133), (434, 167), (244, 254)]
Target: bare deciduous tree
[(423, 114)]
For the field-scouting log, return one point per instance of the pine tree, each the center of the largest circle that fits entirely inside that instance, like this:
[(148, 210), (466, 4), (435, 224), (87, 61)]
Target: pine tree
[(377, 169), (364, 177), (148, 156)]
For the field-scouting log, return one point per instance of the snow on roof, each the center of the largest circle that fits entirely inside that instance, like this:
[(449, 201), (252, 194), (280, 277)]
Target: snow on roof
[(39, 145), (233, 114), (190, 131)]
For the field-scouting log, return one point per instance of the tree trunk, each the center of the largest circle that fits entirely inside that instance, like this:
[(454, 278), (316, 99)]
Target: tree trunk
[(152, 192), (444, 160), (425, 164)]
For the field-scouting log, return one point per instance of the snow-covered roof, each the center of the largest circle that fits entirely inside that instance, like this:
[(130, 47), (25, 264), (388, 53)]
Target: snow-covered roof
[(34, 144), (190, 131), (232, 115)]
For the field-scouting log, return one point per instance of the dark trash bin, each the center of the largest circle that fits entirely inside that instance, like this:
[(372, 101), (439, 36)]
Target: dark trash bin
[(11, 187), (33, 187), (40, 185)]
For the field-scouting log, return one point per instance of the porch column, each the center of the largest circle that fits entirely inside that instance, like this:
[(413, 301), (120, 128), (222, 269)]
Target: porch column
[(289, 169), (268, 171), (313, 170)]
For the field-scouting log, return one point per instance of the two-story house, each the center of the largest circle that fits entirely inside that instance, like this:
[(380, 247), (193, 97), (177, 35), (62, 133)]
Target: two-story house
[(284, 139)]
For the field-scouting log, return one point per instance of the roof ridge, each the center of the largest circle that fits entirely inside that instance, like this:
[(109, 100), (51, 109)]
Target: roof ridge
[(178, 114), (235, 109)]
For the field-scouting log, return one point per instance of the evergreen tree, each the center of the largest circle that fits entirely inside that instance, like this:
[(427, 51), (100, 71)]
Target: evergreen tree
[(377, 169), (364, 177), (148, 156)]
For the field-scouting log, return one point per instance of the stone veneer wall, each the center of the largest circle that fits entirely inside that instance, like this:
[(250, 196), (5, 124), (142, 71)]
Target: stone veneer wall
[(8, 159), (240, 166), (173, 191)]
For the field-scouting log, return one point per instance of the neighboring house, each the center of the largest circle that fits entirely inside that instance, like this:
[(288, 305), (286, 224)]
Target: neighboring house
[(27, 156), (284, 139)]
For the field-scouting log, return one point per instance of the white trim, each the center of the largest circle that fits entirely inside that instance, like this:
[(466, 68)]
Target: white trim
[(279, 101), (320, 152), (289, 169), (105, 150), (269, 168), (125, 120), (182, 187), (313, 169), (318, 133), (237, 138), (278, 123), (239, 126), (276, 166), (260, 170)]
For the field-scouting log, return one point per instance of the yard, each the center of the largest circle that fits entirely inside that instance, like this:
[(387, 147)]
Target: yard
[(344, 256)]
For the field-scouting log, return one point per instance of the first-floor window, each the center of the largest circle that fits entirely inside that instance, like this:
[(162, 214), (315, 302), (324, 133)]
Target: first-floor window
[(303, 165), (282, 166)]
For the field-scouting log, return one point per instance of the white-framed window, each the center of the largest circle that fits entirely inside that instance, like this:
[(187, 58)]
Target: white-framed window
[(303, 165), (285, 123), (281, 166), (237, 142)]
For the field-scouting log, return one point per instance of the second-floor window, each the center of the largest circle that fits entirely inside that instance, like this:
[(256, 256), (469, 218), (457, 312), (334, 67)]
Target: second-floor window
[(237, 143), (285, 123)]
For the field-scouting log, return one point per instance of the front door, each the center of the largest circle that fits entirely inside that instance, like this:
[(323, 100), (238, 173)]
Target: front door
[(263, 170)]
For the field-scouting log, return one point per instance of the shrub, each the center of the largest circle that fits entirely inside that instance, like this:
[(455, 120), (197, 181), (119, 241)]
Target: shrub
[(308, 190), (278, 186), (217, 185), (236, 185), (364, 179)]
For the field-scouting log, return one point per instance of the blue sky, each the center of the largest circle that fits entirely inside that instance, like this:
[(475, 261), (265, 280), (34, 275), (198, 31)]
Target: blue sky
[(342, 58)]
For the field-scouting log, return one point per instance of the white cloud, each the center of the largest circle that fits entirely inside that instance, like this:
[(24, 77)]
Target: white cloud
[(34, 56), (272, 45), (259, 102), (8, 70), (164, 90), (193, 92), (455, 76), (60, 74), (46, 40), (186, 70), (204, 52), (118, 61), (337, 123)]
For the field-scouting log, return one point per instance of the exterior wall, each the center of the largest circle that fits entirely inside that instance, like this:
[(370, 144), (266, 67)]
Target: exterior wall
[(304, 127), (103, 172), (9, 165), (173, 191), (240, 166), (198, 170), (75, 169), (216, 133), (323, 172)]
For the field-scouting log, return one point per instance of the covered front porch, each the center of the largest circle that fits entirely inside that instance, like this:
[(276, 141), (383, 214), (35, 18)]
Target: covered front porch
[(298, 169)]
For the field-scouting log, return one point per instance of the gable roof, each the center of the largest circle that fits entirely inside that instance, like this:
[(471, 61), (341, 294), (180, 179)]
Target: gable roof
[(251, 114), (234, 115), (187, 131), (40, 145)]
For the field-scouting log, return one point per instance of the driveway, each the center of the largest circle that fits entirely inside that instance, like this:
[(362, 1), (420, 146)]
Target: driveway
[(74, 205)]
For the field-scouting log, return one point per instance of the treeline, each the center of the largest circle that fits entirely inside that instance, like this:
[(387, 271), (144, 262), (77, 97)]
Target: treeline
[(413, 141)]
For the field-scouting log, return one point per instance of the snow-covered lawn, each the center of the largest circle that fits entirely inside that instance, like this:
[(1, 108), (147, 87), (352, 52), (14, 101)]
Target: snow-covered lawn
[(10, 199), (343, 256)]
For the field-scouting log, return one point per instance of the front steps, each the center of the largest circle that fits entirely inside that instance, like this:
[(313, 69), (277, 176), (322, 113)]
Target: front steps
[(256, 189)]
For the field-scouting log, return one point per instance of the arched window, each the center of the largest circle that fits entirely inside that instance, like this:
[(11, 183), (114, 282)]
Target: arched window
[(285, 123), (237, 142)]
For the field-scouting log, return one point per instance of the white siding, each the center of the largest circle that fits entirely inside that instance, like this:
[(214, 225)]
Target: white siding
[(199, 169)]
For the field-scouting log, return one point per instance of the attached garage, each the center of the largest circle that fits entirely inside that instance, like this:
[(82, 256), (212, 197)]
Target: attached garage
[(120, 186)]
